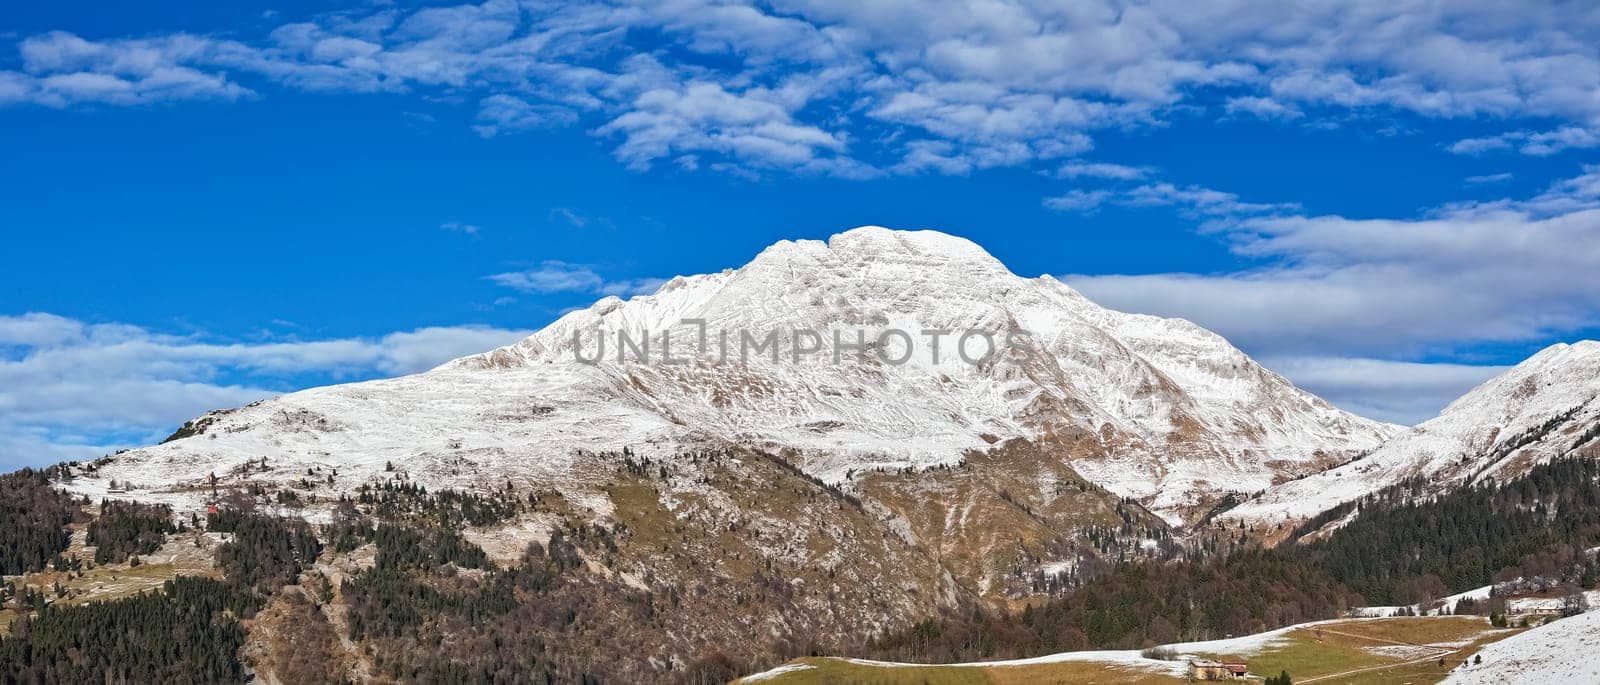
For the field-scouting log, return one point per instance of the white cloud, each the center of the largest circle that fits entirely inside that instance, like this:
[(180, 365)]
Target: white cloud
[(1338, 303), (71, 389), (505, 113), (61, 69), (1504, 271), (822, 86), (562, 277), (1547, 143), (1478, 146), (1081, 169), (1262, 107), (1489, 178), (36, 329), (629, 287), (24, 446), (1399, 392), (753, 126), (1197, 199), (983, 126), (424, 348), (1190, 200), (1534, 143), (552, 277), (1078, 200), (460, 227)]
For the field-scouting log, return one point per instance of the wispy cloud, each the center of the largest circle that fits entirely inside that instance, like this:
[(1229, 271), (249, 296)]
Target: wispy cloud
[(551, 277), (1080, 169), (502, 113), (1478, 146), (460, 227), (561, 277), (1262, 107), (629, 287), (1533, 143), (577, 219), (1199, 200), (1078, 200), (1190, 200)]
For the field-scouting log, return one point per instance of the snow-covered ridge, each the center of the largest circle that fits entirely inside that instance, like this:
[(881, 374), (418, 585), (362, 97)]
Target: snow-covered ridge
[(1544, 408), (1153, 408)]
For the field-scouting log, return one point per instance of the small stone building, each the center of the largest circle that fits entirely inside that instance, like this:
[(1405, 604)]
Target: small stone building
[(1201, 669), (1533, 607)]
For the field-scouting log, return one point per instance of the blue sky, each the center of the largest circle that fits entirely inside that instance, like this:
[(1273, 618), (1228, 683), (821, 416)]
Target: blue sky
[(208, 203)]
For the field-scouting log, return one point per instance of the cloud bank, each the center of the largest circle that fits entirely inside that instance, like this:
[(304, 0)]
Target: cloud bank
[(71, 389), (1505, 271)]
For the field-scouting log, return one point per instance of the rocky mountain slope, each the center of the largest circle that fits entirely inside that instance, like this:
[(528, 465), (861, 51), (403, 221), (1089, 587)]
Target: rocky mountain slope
[(1154, 409), (1544, 408)]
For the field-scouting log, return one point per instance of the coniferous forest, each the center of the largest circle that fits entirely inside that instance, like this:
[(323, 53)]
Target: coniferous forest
[(1400, 548), (33, 521), (1400, 545), (188, 632), (124, 529), (266, 552)]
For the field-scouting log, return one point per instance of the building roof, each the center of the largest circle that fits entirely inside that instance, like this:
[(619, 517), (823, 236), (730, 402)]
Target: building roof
[(1235, 666)]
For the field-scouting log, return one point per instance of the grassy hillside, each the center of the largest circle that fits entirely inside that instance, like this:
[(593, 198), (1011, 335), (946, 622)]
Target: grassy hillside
[(1390, 650)]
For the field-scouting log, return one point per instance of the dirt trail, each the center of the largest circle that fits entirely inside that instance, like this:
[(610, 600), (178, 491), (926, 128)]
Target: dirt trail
[(1438, 653)]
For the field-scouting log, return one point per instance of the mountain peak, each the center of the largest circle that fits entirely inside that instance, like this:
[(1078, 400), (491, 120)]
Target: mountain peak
[(1559, 374), (1152, 408), (874, 241), (1565, 351), (879, 245), (1546, 407)]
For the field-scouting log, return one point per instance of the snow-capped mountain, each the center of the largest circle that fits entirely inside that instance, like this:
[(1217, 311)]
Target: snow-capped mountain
[(845, 477), (1152, 408), (1541, 409)]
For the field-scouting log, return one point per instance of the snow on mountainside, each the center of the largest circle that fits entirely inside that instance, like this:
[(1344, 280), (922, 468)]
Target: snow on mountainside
[(1541, 409), (1158, 409), (1566, 651)]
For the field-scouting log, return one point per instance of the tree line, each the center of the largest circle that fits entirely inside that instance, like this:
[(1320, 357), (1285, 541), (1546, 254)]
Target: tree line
[(1402, 546)]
